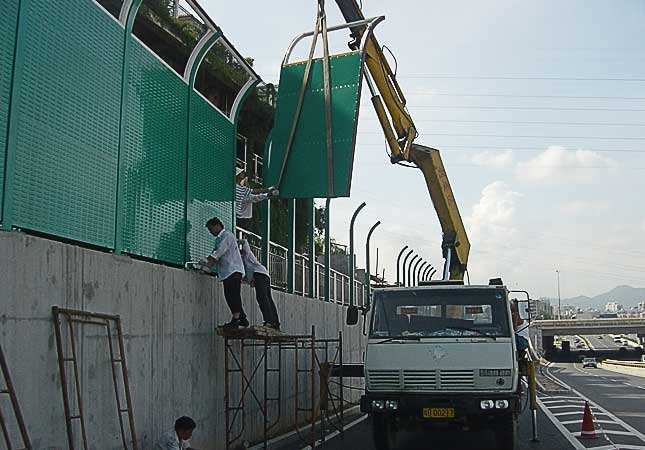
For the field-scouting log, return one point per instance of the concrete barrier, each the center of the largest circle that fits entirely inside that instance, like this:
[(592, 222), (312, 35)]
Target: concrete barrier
[(169, 315), (634, 368)]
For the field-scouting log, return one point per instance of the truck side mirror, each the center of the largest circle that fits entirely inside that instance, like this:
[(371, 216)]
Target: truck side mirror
[(352, 315)]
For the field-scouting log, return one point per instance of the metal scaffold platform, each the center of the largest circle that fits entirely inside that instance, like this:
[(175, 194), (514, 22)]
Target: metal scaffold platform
[(318, 404)]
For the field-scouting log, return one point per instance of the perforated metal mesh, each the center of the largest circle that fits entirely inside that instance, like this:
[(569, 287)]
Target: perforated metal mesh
[(153, 160), (211, 160), (67, 94), (306, 171), (8, 26)]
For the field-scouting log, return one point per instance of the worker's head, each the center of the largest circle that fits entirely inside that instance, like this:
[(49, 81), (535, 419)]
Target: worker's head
[(240, 176), (215, 226), (184, 427)]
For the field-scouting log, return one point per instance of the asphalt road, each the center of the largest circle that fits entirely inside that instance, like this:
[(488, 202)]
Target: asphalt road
[(359, 437), (604, 343), (623, 396), (617, 402)]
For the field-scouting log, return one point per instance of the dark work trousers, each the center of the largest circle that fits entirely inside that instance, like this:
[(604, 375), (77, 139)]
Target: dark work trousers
[(265, 301), (232, 286)]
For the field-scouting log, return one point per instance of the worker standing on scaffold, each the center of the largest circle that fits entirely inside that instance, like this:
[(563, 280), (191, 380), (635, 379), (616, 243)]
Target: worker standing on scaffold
[(246, 196), (227, 261), (258, 276)]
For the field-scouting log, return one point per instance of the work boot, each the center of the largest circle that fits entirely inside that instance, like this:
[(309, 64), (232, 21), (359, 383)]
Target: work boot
[(274, 326), (234, 324)]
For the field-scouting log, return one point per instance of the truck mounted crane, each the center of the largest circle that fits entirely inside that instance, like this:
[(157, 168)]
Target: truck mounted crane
[(400, 134)]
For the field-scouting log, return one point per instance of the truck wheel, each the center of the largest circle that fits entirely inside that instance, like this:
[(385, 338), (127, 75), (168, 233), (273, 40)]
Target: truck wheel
[(506, 433), (383, 432)]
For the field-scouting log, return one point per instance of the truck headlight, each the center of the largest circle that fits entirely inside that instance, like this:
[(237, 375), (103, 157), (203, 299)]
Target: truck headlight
[(487, 404), (378, 405), (501, 404), (391, 405)]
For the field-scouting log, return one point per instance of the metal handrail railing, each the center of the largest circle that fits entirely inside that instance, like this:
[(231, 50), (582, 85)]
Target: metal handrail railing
[(278, 255)]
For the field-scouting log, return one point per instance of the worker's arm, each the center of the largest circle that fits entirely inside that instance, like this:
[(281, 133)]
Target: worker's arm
[(224, 246)]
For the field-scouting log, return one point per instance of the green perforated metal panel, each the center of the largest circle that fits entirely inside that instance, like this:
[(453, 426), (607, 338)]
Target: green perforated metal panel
[(306, 171), (65, 120), (8, 27), (152, 183), (211, 160)]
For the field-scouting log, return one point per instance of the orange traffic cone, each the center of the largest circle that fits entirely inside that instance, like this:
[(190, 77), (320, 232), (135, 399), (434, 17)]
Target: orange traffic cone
[(588, 429)]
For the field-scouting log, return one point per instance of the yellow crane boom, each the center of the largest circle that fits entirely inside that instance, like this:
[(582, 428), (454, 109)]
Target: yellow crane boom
[(390, 106)]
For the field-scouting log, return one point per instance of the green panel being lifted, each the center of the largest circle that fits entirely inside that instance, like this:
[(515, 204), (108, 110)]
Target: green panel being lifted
[(305, 175), (152, 183), (64, 130), (211, 161), (8, 28)]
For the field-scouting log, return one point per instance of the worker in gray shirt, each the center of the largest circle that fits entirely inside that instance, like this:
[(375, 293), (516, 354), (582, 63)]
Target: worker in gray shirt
[(227, 262), (258, 276), (177, 439)]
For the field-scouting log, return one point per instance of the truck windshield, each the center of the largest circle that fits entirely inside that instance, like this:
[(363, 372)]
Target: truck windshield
[(440, 313)]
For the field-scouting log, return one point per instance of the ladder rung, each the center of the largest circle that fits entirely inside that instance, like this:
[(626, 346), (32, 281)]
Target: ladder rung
[(124, 410), (68, 359), (117, 360), (4, 391), (74, 417)]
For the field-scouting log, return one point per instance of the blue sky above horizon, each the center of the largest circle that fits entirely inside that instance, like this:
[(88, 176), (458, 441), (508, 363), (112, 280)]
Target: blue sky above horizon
[(539, 111)]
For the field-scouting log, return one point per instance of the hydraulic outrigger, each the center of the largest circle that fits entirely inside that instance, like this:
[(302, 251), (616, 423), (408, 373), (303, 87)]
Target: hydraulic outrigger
[(400, 133)]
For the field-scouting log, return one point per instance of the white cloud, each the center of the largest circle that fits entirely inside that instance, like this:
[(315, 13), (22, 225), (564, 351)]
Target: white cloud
[(497, 160), (493, 216), (559, 165)]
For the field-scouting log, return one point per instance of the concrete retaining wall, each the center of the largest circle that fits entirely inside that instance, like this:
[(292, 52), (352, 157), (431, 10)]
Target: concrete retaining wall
[(169, 315)]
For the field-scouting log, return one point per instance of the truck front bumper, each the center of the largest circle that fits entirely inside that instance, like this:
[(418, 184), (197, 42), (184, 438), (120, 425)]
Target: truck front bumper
[(412, 405)]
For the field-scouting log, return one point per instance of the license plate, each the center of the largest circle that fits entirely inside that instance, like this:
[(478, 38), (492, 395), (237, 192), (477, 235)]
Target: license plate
[(438, 413)]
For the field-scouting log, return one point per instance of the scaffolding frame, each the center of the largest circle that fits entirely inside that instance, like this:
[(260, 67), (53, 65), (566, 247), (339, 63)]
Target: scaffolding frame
[(71, 317), (11, 392), (307, 409)]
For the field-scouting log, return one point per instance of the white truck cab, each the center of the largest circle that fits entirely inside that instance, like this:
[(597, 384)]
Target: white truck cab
[(442, 355)]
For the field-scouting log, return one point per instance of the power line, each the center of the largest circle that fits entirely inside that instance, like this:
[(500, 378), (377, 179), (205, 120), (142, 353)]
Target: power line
[(627, 138), (512, 147), (521, 78), (573, 97), (515, 122), (524, 108)]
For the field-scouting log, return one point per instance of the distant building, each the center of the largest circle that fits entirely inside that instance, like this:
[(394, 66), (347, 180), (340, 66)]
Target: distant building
[(541, 309), (613, 307)]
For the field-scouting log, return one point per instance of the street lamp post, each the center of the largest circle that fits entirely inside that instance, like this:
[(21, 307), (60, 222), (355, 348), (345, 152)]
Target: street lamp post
[(351, 253), (367, 261), (419, 272), (414, 258), (403, 266), (557, 273), (398, 261)]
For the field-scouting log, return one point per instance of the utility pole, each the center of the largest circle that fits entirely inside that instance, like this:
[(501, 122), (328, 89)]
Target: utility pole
[(557, 273)]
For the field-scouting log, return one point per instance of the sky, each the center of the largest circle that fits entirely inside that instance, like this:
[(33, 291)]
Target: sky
[(538, 109)]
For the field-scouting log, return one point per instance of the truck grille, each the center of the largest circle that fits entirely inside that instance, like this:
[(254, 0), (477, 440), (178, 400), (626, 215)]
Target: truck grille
[(420, 380), (383, 380), (457, 379)]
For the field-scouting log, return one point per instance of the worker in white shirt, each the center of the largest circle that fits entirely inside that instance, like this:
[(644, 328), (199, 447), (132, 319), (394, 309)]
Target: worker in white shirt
[(245, 197), (227, 261), (258, 276), (177, 439)]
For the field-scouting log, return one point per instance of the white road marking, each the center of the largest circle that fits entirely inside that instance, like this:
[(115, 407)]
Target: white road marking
[(603, 431), (616, 419), (570, 422), (577, 407), (567, 435)]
